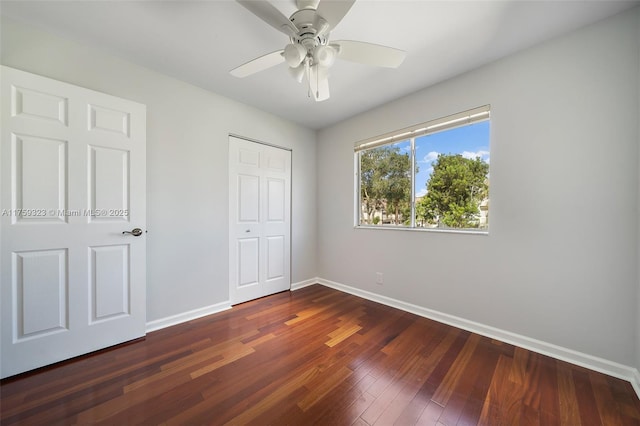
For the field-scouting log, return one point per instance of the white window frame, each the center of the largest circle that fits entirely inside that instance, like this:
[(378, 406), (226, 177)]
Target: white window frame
[(449, 122)]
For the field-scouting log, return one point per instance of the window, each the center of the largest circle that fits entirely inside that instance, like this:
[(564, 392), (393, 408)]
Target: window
[(430, 176)]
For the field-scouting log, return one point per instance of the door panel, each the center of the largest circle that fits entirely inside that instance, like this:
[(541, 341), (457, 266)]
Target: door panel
[(38, 105), (109, 183), (109, 271), (275, 257), (248, 256), (72, 174), (248, 157), (40, 293), (249, 199), (259, 220), (109, 120), (275, 200), (40, 179)]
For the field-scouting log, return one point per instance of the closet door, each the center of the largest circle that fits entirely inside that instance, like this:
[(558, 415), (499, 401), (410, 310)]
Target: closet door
[(259, 220)]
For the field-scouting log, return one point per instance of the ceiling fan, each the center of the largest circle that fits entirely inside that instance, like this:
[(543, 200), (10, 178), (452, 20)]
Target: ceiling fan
[(309, 53)]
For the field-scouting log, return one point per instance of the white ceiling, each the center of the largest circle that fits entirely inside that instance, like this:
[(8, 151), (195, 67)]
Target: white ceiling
[(200, 41)]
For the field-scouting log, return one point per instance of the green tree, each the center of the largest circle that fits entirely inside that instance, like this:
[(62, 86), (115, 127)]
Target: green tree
[(370, 192), (454, 192), (397, 184), (385, 182)]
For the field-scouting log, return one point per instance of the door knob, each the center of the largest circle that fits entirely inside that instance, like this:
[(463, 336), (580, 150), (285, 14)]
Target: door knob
[(136, 232)]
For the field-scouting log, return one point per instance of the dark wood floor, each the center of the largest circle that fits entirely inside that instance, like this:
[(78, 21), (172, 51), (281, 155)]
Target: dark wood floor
[(316, 356)]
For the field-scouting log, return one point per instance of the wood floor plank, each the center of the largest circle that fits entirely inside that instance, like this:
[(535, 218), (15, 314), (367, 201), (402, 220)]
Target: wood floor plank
[(476, 386), (410, 385), (610, 413), (519, 365), (472, 387), (454, 372), (342, 405), (448, 358), (341, 334), (322, 386), (503, 404), (623, 394), (589, 414), (547, 392), (430, 415), (355, 410), (383, 400), (569, 412), (316, 356)]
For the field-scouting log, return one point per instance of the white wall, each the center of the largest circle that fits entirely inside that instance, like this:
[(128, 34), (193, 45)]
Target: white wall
[(187, 172), (559, 264), (637, 364)]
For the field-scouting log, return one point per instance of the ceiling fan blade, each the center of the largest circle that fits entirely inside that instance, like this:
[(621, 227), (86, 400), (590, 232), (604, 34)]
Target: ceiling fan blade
[(319, 82), (256, 65), (334, 10), (270, 14), (370, 54)]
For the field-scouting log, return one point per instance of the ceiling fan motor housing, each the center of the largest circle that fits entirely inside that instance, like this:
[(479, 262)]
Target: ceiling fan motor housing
[(308, 35)]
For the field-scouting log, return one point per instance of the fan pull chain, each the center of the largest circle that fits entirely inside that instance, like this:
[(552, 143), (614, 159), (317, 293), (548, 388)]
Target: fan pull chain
[(308, 69)]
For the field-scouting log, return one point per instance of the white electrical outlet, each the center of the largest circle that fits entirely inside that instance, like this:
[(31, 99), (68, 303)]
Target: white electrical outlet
[(379, 278)]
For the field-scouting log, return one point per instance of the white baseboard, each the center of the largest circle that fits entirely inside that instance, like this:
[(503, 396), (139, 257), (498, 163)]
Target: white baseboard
[(303, 284), (635, 381), (601, 365), (187, 316)]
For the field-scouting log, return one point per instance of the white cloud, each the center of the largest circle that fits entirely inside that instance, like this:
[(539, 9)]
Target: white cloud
[(430, 157), (484, 155), (422, 192)]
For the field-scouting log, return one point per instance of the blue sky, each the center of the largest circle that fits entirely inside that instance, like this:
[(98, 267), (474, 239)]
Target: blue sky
[(471, 141)]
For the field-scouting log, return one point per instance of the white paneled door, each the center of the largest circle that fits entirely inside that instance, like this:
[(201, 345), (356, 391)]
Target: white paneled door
[(73, 180), (259, 220)]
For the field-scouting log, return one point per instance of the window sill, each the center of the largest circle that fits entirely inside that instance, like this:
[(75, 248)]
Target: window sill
[(436, 230)]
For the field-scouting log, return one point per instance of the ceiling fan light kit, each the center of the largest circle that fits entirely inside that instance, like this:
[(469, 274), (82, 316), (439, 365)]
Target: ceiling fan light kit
[(298, 72), (294, 54), (309, 53), (324, 56)]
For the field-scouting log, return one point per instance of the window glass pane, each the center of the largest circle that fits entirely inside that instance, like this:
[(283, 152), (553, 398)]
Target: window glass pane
[(385, 185), (452, 182)]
